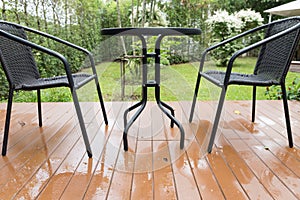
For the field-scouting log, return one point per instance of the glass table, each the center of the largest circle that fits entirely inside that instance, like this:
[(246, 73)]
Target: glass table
[(142, 33)]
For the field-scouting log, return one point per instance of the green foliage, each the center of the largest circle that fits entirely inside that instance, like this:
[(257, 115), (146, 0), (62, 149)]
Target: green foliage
[(80, 22), (47, 95), (257, 5), (172, 89), (224, 25), (293, 91), (164, 49), (177, 59), (150, 16), (224, 53), (3, 85), (76, 22)]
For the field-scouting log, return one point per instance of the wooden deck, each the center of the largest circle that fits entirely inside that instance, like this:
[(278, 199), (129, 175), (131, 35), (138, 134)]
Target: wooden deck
[(249, 161)]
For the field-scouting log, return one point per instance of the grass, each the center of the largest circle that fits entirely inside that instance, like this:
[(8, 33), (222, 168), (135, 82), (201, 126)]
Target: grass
[(178, 82)]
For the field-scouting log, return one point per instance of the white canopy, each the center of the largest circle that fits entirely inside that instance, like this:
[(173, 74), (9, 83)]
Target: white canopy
[(288, 9)]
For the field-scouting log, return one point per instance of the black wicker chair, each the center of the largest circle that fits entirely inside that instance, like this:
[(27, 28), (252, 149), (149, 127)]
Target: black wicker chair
[(276, 52), (18, 63)]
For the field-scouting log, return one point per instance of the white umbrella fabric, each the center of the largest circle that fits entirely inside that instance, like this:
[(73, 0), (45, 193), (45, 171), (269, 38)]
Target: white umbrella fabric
[(286, 10)]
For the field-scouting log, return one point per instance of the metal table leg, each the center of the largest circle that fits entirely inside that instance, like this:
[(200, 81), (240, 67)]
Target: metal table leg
[(161, 105), (142, 105)]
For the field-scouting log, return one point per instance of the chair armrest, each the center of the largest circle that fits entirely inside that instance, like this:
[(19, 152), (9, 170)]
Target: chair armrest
[(74, 46), (67, 43), (205, 52), (43, 49)]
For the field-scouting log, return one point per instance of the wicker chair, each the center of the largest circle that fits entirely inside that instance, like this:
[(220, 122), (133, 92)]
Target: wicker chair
[(276, 52), (21, 71)]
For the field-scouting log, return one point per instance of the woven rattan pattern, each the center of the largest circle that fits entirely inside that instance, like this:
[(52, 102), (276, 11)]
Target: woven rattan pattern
[(19, 64), (273, 60), (17, 59)]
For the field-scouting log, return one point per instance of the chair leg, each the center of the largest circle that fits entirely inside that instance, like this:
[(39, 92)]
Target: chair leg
[(217, 119), (253, 103), (81, 123), (7, 122), (39, 108), (287, 116), (101, 101), (195, 97)]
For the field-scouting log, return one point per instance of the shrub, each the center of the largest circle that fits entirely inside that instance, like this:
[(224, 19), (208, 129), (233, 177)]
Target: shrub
[(3, 85), (293, 91), (223, 25), (177, 59), (47, 95)]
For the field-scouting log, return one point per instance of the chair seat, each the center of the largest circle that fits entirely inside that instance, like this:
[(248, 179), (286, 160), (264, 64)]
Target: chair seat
[(57, 81), (239, 78)]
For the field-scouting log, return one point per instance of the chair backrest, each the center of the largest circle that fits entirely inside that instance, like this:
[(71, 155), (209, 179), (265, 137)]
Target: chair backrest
[(275, 57), (16, 59)]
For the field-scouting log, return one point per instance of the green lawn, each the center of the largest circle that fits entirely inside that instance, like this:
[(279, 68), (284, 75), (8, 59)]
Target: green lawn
[(177, 82)]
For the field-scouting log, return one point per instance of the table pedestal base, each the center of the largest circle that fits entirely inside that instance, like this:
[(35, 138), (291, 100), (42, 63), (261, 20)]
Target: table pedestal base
[(142, 104)]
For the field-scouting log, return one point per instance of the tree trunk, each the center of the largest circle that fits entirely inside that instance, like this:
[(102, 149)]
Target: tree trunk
[(45, 15), (120, 25), (16, 12), (25, 12), (3, 10), (153, 3), (144, 13), (36, 4)]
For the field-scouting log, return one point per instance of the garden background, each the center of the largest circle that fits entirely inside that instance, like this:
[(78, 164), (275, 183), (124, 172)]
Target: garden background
[(80, 22)]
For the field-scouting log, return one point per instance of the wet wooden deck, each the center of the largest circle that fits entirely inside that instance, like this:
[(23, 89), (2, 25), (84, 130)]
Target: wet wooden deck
[(249, 161)]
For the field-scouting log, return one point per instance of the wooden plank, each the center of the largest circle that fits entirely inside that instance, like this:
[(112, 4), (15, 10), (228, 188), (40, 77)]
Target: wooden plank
[(186, 185), (25, 149), (142, 186), (267, 177), (230, 186), (98, 187), (250, 160), (58, 155), (121, 181), (18, 129), (23, 121), (250, 183), (29, 168), (291, 180), (142, 183), (256, 166), (196, 150), (84, 170), (164, 185), (205, 179), (277, 145), (276, 113)]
